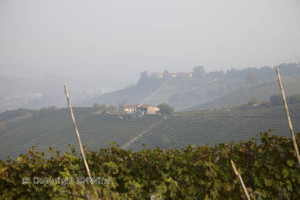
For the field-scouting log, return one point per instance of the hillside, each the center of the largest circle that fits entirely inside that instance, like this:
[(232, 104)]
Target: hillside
[(43, 90), (202, 127), (259, 92), (180, 93), (54, 128), (133, 94), (205, 90)]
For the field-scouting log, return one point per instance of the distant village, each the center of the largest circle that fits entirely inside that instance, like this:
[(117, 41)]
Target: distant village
[(183, 75)]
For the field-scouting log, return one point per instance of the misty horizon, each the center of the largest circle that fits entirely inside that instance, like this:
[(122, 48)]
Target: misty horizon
[(122, 39), (98, 47)]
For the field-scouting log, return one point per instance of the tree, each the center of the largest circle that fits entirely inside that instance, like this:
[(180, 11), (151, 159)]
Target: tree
[(103, 107), (144, 77), (233, 73), (252, 77), (266, 73), (96, 105), (288, 69), (199, 71), (2, 126), (166, 109), (122, 102), (100, 107), (276, 100), (216, 74), (113, 109), (253, 101), (42, 111), (293, 99)]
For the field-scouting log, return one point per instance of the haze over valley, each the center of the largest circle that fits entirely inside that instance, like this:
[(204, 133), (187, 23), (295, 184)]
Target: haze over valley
[(100, 47), (150, 100)]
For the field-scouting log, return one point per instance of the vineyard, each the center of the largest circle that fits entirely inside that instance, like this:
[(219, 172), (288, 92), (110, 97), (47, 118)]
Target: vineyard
[(205, 127), (53, 128), (267, 165), (184, 156)]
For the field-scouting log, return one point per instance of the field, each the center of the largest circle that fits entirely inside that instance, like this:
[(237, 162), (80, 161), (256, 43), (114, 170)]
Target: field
[(260, 92), (53, 128), (202, 127)]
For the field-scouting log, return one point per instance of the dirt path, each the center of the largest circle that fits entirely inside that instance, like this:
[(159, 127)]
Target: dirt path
[(155, 92), (142, 133)]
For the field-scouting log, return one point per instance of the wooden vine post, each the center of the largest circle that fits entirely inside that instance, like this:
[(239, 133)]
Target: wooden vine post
[(78, 136), (240, 179), (288, 117)]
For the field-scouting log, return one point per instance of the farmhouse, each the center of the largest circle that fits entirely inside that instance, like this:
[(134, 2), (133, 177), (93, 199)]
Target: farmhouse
[(141, 109)]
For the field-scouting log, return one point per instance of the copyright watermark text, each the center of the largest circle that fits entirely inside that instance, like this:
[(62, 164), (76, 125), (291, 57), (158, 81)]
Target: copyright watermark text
[(65, 181)]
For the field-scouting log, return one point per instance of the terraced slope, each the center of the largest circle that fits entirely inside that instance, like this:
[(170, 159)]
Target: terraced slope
[(204, 127), (55, 129), (13, 114), (260, 92)]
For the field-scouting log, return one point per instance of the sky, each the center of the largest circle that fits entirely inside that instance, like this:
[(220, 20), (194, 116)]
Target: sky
[(121, 38)]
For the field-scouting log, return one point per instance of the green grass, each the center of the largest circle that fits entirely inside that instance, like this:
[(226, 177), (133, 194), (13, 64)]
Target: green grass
[(55, 129)]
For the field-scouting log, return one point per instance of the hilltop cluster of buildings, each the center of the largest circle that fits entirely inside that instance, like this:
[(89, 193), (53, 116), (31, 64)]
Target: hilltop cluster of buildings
[(183, 75)]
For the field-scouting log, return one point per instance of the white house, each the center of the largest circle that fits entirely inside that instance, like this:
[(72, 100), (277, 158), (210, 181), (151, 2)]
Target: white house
[(142, 109)]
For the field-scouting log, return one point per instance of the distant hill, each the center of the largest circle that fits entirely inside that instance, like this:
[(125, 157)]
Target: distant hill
[(35, 92), (180, 93), (131, 95), (53, 128), (204, 90), (260, 92)]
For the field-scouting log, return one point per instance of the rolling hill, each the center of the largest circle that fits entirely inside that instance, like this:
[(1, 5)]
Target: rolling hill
[(53, 128), (180, 93), (259, 92), (206, 91)]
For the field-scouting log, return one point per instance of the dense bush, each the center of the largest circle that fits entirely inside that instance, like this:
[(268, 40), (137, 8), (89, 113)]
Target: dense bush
[(268, 166), (276, 100), (165, 109)]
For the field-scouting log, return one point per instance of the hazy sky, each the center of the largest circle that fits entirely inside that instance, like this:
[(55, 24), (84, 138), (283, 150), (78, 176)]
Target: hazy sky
[(125, 37)]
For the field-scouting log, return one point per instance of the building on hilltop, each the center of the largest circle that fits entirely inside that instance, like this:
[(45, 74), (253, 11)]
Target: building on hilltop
[(182, 75), (170, 75), (141, 109), (156, 75)]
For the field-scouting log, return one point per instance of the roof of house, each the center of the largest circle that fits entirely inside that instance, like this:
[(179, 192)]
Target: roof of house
[(144, 106), (137, 106), (129, 106)]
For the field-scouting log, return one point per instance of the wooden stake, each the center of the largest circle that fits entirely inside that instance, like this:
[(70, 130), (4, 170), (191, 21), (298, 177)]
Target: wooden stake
[(241, 180), (288, 117), (78, 136)]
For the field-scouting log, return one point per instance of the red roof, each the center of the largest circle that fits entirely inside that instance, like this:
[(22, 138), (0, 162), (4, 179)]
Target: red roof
[(136, 106), (130, 106)]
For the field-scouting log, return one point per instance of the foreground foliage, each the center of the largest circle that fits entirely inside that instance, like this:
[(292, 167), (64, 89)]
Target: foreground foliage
[(268, 167)]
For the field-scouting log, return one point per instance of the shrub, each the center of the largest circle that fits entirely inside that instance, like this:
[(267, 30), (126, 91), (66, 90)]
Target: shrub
[(268, 166)]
